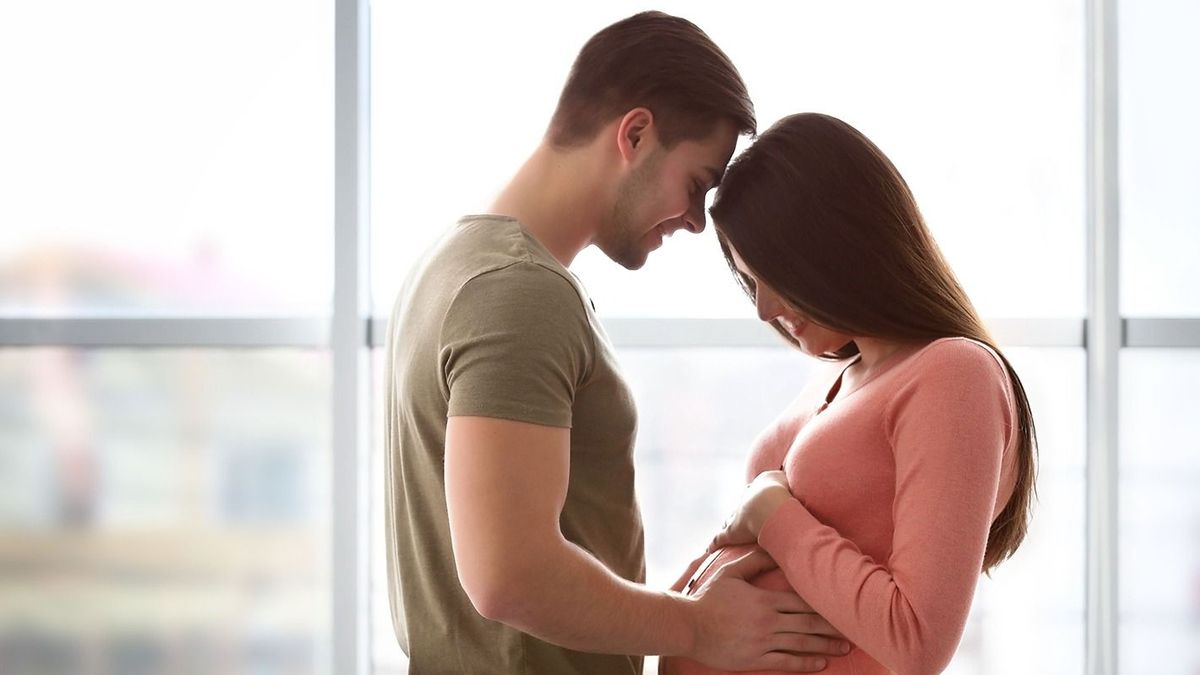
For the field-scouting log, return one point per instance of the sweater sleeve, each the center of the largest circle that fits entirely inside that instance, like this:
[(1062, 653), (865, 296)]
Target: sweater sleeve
[(949, 423)]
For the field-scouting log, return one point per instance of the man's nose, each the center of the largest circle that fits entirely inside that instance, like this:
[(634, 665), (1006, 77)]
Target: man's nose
[(694, 220)]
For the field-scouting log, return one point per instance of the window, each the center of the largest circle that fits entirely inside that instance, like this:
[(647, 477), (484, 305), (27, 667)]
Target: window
[(167, 158), (163, 507), (164, 436), (179, 471), (1160, 160)]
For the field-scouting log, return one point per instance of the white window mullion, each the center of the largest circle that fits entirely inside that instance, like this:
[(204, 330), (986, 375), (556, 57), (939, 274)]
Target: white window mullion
[(349, 648), (1104, 339)]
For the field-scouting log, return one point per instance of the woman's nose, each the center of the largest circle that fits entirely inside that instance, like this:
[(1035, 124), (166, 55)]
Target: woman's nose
[(767, 304)]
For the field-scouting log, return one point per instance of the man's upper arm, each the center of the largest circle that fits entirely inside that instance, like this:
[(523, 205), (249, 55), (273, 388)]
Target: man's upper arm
[(506, 483), (515, 345)]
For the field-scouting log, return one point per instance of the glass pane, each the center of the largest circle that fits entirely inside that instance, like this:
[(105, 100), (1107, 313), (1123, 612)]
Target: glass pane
[(992, 142), (727, 396), (1160, 512), (1159, 158), (164, 511), (386, 656), (1036, 598), (164, 154)]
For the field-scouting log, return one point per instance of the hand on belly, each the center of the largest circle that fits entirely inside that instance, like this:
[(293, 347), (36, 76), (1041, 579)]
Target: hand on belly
[(772, 580)]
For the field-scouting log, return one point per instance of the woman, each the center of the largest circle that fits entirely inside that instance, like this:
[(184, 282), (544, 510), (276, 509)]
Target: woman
[(906, 470)]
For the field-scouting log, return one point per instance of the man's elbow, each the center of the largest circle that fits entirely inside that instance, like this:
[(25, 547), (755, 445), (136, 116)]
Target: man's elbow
[(489, 600), (499, 592)]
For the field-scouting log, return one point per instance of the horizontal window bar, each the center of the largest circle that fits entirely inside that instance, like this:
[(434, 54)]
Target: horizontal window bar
[(630, 333), (675, 333), (1162, 333), (166, 332)]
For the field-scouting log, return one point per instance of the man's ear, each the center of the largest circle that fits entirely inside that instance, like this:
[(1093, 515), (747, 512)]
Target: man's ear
[(635, 133)]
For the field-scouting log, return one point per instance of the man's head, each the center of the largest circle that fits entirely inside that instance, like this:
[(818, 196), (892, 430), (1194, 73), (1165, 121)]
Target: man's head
[(672, 104)]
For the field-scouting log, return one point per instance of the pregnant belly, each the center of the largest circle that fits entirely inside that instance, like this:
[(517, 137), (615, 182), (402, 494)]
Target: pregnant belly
[(856, 662), (772, 580)]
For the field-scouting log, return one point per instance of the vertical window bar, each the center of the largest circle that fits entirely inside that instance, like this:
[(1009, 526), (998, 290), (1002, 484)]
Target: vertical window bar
[(348, 623), (1104, 337)]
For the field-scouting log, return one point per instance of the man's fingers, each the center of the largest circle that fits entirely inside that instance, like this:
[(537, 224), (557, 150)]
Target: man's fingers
[(791, 662), (802, 643), (785, 601), (748, 566), (803, 621), (812, 624)]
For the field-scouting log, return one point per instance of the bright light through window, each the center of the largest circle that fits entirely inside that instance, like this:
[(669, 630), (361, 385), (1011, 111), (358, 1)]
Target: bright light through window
[(978, 105), (166, 157)]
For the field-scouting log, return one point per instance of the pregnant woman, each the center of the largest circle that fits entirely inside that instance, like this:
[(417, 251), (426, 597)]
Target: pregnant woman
[(906, 469)]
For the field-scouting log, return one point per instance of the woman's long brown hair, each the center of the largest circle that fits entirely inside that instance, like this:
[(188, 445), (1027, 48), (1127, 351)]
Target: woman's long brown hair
[(822, 216)]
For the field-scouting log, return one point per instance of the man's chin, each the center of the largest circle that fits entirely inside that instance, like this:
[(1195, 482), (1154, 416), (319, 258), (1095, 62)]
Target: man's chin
[(630, 258), (633, 264)]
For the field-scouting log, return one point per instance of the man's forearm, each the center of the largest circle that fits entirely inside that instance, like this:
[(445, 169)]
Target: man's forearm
[(568, 598)]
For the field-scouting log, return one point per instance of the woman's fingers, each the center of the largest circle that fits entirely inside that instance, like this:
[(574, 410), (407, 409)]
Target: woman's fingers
[(734, 533), (747, 566), (775, 476), (691, 570), (718, 541)]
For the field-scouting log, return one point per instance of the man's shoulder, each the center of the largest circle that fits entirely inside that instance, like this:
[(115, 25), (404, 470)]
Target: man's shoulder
[(497, 252), (482, 244)]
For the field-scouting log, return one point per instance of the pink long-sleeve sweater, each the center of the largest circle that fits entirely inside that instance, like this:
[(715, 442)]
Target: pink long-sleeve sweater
[(895, 486)]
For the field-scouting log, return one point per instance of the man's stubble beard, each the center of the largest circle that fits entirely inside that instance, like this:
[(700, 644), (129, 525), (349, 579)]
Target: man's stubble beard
[(621, 239)]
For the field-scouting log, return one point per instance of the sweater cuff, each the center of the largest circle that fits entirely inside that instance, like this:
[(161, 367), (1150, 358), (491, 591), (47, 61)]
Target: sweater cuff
[(787, 525)]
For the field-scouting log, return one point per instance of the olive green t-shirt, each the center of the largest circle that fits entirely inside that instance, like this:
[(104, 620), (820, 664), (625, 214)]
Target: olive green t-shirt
[(490, 324)]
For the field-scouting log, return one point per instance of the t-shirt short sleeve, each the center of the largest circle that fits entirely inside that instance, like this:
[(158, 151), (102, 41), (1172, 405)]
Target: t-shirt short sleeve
[(516, 344)]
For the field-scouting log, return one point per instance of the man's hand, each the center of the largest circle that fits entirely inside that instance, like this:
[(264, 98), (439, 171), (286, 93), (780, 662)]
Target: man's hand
[(763, 495), (740, 627)]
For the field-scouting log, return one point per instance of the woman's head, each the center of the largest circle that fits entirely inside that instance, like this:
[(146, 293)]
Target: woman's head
[(812, 338), (823, 217), (821, 230)]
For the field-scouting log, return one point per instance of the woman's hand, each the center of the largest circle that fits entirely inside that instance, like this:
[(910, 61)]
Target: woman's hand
[(766, 493)]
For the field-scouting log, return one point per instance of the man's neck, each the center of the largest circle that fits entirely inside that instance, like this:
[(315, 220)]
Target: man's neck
[(558, 197)]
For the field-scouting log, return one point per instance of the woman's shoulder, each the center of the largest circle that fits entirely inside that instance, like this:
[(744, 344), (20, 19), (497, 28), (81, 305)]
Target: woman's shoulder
[(953, 366), (960, 355)]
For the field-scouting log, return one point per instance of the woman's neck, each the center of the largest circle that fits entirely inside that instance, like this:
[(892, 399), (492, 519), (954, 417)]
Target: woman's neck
[(875, 353)]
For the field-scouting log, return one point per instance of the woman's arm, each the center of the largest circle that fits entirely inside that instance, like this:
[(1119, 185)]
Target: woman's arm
[(949, 430)]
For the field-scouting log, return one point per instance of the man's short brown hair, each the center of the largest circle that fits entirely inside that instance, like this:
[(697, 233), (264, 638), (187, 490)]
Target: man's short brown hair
[(657, 61)]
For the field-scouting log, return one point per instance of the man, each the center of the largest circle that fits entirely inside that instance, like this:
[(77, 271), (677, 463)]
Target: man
[(514, 537)]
